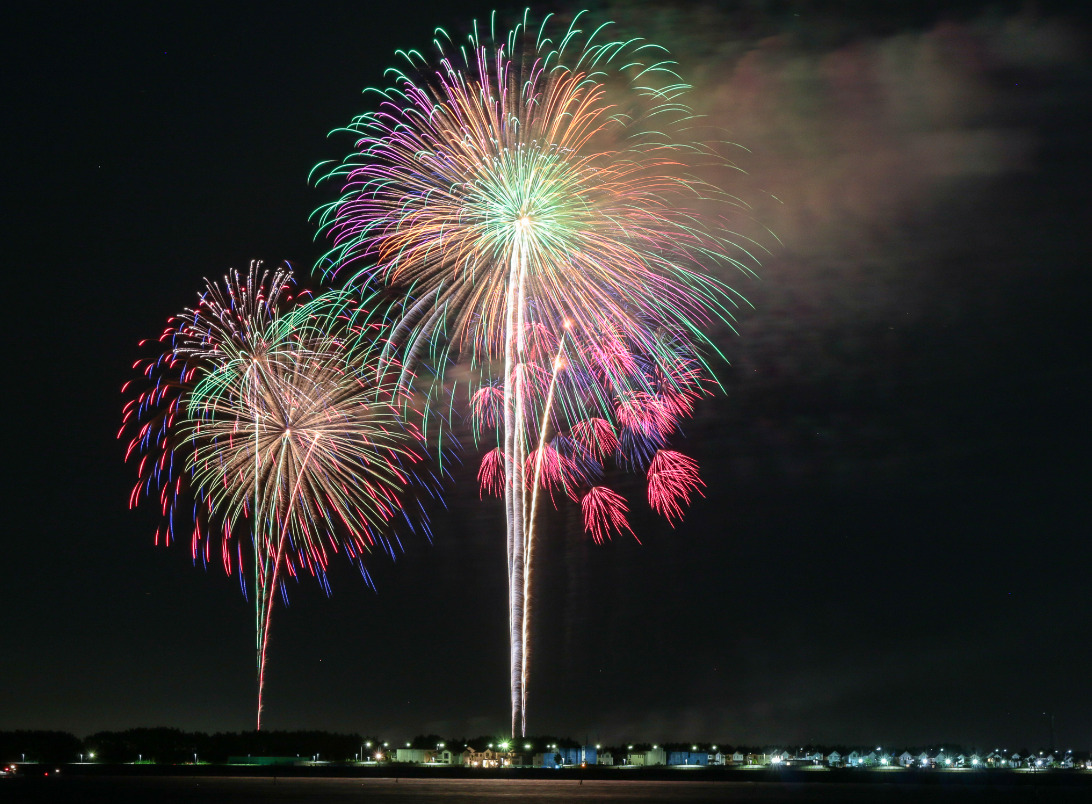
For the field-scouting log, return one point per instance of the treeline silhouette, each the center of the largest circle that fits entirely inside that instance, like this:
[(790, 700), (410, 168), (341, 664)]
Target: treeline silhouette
[(39, 746), (480, 743), (169, 745), (175, 745)]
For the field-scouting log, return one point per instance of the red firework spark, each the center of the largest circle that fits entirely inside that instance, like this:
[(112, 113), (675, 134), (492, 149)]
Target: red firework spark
[(672, 477), (605, 511)]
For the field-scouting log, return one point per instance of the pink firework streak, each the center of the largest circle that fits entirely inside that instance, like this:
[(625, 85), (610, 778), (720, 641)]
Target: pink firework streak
[(611, 357), (680, 387), (487, 405), (491, 474), (541, 343), (605, 511), (556, 471), (646, 414), (596, 436), (672, 477)]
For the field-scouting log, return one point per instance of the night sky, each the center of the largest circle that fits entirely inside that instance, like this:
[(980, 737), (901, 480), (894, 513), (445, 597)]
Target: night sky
[(893, 546)]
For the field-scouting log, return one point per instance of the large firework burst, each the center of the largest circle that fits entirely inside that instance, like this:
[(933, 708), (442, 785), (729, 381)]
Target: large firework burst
[(274, 417), (521, 188)]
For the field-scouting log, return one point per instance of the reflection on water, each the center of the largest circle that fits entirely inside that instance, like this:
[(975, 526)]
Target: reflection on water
[(174, 790)]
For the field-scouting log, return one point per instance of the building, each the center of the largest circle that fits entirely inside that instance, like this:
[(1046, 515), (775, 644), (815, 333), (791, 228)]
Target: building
[(415, 755), (560, 757), (688, 758), (653, 756), (445, 756), (874, 758), (489, 758), (806, 756)]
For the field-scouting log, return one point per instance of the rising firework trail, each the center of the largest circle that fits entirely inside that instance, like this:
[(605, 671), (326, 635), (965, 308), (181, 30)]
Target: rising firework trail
[(270, 420), (532, 201)]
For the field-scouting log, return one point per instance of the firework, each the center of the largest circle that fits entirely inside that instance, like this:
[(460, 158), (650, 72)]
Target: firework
[(533, 201), (604, 511), (672, 478), (275, 420)]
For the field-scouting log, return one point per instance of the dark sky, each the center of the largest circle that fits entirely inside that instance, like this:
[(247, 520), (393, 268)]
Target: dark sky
[(893, 546)]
